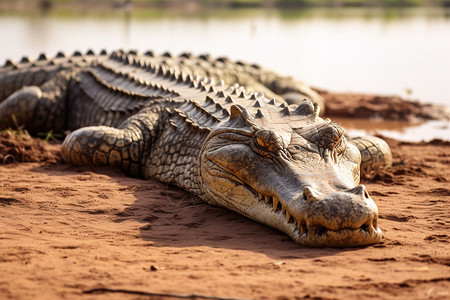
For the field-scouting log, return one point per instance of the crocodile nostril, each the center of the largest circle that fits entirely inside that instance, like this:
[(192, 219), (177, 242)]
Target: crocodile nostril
[(308, 194), (366, 194), (361, 190)]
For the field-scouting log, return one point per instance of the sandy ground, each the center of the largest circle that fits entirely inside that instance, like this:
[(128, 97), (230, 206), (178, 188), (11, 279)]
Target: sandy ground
[(93, 233)]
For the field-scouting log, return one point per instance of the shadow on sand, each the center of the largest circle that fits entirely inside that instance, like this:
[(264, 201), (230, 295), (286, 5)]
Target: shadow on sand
[(171, 217)]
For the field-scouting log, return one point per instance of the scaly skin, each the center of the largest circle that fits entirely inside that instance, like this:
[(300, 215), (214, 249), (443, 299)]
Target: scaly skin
[(154, 116)]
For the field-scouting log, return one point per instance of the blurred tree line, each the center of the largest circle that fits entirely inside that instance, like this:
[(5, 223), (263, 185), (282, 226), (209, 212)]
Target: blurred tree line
[(247, 3)]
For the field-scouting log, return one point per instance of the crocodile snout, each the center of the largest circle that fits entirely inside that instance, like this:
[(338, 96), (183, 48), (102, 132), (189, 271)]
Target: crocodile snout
[(336, 218)]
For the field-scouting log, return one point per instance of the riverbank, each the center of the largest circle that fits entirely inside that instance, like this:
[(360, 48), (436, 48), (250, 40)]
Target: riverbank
[(94, 233)]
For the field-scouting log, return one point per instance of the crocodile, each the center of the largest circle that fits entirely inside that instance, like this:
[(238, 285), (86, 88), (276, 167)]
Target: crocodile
[(218, 129)]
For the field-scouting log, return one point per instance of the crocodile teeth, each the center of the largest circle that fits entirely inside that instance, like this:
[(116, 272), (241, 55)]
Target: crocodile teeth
[(275, 206), (260, 196), (301, 226), (275, 203), (288, 216)]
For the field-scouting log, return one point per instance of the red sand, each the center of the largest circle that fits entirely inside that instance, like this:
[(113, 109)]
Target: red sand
[(94, 233)]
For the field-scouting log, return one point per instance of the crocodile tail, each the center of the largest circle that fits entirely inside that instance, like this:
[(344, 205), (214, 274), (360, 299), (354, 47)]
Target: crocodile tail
[(27, 72), (34, 72)]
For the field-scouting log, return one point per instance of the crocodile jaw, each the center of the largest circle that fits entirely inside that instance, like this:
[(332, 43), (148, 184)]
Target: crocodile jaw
[(301, 220)]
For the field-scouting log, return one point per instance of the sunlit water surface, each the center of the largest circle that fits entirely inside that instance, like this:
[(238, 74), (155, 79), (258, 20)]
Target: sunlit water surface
[(402, 52)]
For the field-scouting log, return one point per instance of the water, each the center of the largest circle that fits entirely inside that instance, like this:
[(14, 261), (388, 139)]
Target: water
[(403, 52), (403, 131)]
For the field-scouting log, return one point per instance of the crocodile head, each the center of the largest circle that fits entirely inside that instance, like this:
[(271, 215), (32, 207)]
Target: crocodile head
[(293, 171)]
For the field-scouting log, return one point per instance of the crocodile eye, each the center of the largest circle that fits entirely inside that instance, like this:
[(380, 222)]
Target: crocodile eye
[(268, 140), (260, 142)]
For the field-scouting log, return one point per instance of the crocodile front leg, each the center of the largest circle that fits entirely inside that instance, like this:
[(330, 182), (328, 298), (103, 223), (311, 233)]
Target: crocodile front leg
[(375, 155), (126, 147)]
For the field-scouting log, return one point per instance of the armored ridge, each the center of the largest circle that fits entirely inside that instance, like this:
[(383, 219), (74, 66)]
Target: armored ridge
[(175, 119)]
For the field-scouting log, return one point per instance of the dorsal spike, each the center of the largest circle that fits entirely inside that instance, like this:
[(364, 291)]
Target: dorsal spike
[(76, 53), (259, 114), (205, 129), (90, 52), (173, 124), (223, 59), (60, 54), (133, 52), (150, 53), (212, 90), (161, 71), (257, 104), (169, 73), (253, 96), (120, 56), (129, 60), (286, 111), (167, 54), (195, 127), (25, 59), (174, 76), (229, 99), (242, 95), (282, 105), (220, 94), (205, 57), (181, 77), (141, 63), (186, 55), (103, 52), (209, 101), (272, 102), (305, 108), (225, 112), (151, 67), (42, 57), (11, 63), (193, 84), (239, 112)]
